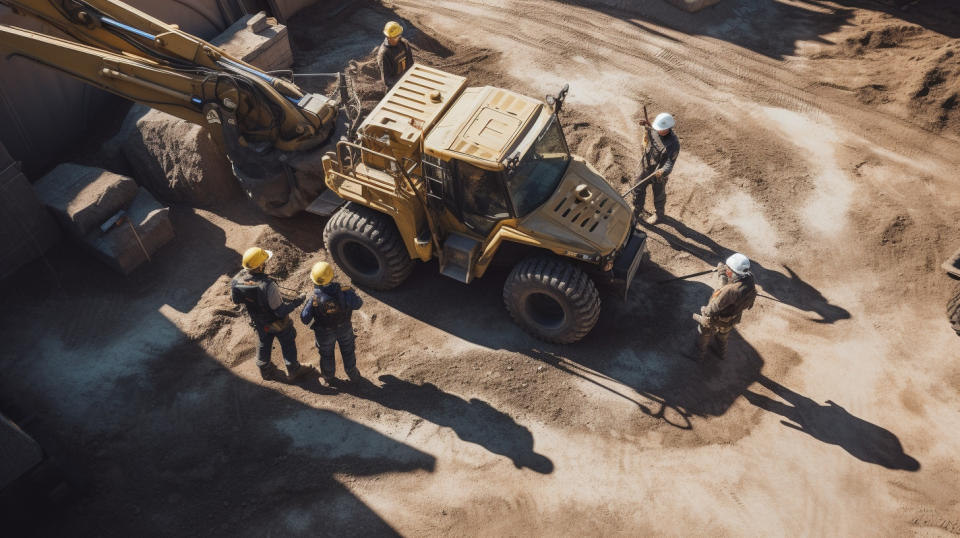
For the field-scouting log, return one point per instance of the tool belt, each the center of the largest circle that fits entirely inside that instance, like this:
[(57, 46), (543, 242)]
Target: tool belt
[(278, 326)]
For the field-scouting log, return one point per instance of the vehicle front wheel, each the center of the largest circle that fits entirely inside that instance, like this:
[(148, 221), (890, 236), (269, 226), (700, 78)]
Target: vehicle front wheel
[(365, 244), (552, 299)]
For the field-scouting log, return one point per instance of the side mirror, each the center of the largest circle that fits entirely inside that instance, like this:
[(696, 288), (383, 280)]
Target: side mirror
[(557, 102)]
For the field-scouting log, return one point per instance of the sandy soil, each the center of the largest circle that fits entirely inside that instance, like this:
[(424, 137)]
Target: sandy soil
[(808, 144)]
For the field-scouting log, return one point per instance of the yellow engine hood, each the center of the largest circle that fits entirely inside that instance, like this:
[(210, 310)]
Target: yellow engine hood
[(585, 213)]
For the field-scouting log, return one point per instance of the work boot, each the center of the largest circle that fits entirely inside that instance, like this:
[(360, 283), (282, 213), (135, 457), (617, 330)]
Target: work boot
[(268, 372), (297, 371), (354, 375), (326, 381), (653, 219)]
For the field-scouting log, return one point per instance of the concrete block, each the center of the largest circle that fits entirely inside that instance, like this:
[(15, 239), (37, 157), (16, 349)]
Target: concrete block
[(258, 40), (693, 5), (27, 230), (120, 248), (82, 197)]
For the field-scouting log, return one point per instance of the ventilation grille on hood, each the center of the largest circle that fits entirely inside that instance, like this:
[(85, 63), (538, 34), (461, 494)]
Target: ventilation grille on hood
[(585, 208)]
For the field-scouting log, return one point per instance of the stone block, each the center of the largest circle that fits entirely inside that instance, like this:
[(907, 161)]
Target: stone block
[(82, 197), (120, 248), (258, 40), (177, 160)]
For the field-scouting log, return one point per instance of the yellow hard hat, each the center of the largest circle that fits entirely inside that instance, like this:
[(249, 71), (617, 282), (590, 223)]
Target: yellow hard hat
[(321, 274), (392, 29), (255, 257)]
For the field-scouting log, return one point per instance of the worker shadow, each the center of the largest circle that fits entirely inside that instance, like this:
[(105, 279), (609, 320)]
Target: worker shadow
[(474, 421), (786, 287), (834, 425)]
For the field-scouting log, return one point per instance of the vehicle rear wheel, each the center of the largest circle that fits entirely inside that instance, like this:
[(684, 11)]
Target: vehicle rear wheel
[(953, 310), (552, 299), (365, 244)]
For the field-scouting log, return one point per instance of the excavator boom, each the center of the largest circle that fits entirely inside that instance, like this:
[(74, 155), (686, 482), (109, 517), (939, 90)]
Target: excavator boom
[(127, 52)]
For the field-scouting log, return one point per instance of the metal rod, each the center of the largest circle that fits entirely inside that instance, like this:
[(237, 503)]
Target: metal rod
[(684, 277), (135, 234)]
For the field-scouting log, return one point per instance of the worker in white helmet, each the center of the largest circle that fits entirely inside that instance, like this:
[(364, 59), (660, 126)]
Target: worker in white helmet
[(736, 293), (661, 150), (394, 56)]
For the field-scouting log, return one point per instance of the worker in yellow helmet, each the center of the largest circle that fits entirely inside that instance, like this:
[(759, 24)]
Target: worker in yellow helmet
[(269, 313), (395, 55), (328, 313)]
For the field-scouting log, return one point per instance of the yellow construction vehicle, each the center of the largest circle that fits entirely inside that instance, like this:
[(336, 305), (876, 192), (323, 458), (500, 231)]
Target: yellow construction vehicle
[(267, 125), (467, 175), (436, 170)]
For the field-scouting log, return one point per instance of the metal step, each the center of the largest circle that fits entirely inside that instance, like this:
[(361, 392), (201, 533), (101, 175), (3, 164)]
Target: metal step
[(326, 204), (459, 254)]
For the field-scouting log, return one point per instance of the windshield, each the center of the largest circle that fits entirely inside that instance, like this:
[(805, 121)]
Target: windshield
[(540, 170)]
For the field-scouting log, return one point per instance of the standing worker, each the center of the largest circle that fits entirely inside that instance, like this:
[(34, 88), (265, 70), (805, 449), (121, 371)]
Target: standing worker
[(328, 313), (736, 293), (269, 313), (394, 56), (661, 150)]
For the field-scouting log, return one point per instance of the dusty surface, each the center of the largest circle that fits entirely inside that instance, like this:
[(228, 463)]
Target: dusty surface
[(836, 412)]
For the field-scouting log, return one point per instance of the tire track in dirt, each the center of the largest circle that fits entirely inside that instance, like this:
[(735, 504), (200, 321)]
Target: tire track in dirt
[(699, 62)]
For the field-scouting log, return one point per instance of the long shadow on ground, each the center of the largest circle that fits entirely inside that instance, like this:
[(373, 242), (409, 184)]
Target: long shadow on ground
[(787, 288), (474, 421), (834, 425), (645, 344)]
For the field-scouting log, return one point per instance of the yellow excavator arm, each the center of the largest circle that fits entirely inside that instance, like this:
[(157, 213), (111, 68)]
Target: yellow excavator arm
[(127, 52)]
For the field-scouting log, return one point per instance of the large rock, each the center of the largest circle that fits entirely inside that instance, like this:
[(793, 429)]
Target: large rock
[(259, 41), (82, 197), (177, 161), (27, 230), (145, 228)]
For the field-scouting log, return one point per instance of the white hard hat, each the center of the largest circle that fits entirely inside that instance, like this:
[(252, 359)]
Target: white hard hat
[(738, 263), (663, 121)]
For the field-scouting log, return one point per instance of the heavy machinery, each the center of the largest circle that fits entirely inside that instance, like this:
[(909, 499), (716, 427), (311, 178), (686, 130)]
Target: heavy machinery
[(266, 124), (467, 175), (436, 170)]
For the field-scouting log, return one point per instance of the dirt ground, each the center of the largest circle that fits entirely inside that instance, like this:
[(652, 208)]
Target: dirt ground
[(821, 138)]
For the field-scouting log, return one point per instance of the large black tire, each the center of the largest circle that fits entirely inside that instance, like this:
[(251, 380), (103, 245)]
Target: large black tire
[(365, 244), (953, 310), (552, 299)]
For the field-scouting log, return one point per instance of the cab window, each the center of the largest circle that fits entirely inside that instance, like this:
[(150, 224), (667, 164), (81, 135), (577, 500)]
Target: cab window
[(483, 199)]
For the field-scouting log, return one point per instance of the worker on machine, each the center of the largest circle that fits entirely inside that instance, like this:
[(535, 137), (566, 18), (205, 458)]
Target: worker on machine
[(328, 313), (737, 292), (395, 55), (269, 313), (662, 149)]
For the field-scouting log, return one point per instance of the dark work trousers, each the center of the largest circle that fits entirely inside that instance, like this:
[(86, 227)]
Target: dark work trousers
[(327, 338), (659, 187), (288, 345)]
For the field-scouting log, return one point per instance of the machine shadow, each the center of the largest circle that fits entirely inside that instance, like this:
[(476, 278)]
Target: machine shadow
[(646, 343), (787, 288), (643, 351), (834, 425), (474, 421)]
